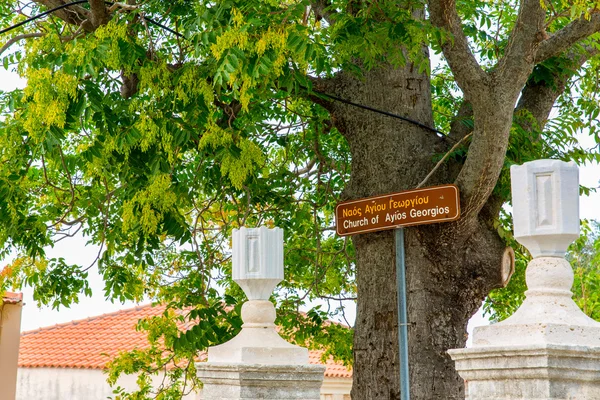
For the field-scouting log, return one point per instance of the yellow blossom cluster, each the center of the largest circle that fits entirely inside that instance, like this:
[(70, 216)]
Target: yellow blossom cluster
[(152, 202), (49, 93)]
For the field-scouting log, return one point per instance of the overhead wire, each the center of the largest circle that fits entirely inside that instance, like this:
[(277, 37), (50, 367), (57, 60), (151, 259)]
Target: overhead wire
[(162, 26), (387, 113), (74, 3), (41, 15)]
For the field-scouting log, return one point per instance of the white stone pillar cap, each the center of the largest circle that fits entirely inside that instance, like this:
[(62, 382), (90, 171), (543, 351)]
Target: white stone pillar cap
[(545, 198), (257, 266), (257, 260)]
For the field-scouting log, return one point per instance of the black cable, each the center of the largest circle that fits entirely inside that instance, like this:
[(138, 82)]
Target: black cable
[(28, 20), (164, 27), (386, 113), (389, 114), (73, 3)]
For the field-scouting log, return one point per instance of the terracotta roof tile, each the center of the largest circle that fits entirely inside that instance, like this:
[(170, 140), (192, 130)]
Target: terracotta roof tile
[(333, 370), (91, 342), (85, 343)]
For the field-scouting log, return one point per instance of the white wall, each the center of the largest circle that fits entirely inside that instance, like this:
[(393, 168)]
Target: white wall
[(68, 384), (336, 389), (90, 384)]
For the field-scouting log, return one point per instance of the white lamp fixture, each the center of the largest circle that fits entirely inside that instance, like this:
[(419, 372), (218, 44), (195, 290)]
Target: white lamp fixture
[(546, 206), (257, 261)]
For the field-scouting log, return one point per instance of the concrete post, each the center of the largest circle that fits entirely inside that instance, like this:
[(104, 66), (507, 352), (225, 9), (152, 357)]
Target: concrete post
[(11, 305), (258, 363), (549, 349)]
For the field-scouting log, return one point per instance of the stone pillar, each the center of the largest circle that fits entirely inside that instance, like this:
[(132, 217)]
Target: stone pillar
[(258, 363), (11, 305), (549, 349)]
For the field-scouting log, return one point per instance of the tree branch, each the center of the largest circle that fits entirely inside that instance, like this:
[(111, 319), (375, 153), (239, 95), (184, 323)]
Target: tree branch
[(519, 57), (467, 71), (439, 163), (479, 174), (19, 37), (123, 7), (459, 128), (74, 15), (567, 37), (323, 85), (306, 169), (492, 107), (323, 10), (538, 98), (99, 13), (491, 111)]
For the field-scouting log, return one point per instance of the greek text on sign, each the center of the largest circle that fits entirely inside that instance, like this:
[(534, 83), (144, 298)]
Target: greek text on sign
[(412, 207)]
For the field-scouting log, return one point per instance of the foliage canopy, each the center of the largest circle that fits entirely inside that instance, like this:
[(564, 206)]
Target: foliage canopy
[(155, 145)]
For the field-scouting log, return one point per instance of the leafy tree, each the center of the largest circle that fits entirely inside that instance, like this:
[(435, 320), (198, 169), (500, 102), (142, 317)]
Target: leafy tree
[(155, 128), (585, 258)]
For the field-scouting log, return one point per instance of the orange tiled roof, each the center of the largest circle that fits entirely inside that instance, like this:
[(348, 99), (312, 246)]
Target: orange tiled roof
[(334, 369), (90, 343), (12, 298)]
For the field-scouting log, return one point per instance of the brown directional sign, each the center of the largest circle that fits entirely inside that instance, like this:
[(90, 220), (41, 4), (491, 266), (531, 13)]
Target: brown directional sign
[(412, 207)]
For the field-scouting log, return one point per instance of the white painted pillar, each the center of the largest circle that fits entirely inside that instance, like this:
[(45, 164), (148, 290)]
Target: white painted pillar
[(258, 363), (11, 306), (549, 349)]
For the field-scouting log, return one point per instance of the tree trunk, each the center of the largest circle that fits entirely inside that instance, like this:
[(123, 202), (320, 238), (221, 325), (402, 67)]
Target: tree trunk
[(445, 281)]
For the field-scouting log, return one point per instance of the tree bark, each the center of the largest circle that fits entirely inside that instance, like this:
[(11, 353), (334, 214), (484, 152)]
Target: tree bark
[(447, 282), (384, 154), (447, 276)]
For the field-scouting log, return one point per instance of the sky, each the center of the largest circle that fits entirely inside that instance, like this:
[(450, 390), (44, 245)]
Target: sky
[(76, 251)]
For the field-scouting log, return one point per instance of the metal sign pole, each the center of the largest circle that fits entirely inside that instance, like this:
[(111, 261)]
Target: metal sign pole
[(402, 316)]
